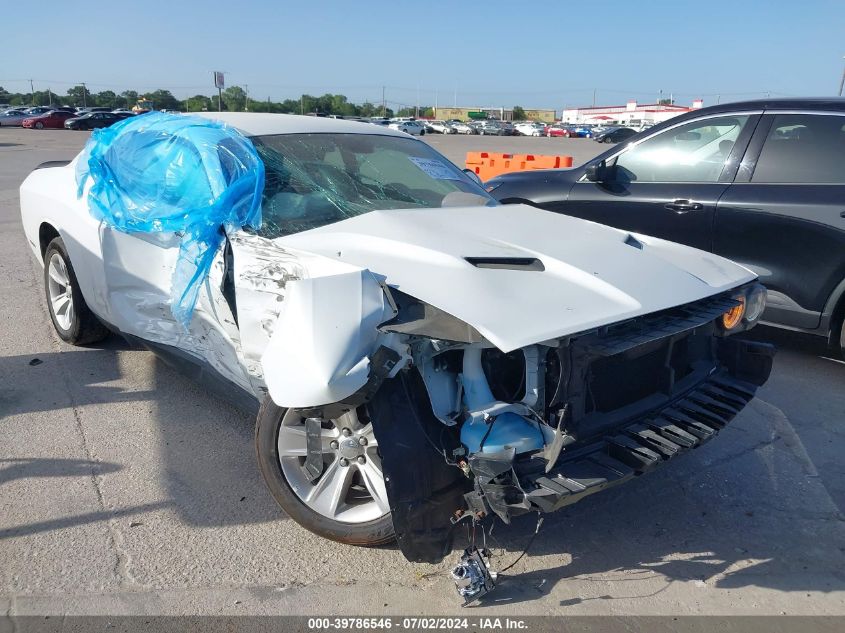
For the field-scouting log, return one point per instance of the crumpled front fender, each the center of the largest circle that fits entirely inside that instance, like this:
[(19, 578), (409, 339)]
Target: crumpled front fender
[(326, 330)]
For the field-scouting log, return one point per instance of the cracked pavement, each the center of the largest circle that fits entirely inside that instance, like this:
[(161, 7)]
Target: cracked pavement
[(127, 489)]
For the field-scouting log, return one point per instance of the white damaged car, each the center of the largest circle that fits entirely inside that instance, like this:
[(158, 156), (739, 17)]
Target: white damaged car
[(418, 354)]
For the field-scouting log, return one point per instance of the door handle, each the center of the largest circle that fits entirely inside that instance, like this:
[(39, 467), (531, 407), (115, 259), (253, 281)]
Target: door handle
[(683, 206)]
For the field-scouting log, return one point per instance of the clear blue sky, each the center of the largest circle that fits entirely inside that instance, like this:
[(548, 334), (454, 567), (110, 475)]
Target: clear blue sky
[(540, 54)]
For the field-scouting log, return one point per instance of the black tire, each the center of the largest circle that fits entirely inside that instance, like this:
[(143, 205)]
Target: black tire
[(39, 125), (422, 132), (841, 331), (84, 327), (370, 533)]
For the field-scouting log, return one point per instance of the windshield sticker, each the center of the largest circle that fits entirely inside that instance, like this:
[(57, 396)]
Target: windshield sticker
[(435, 168)]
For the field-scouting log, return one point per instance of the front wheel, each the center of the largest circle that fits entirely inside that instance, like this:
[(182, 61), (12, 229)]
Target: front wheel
[(347, 502), (39, 125), (73, 320)]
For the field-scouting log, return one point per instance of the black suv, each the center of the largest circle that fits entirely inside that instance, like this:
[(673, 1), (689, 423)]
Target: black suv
[(759, 182)]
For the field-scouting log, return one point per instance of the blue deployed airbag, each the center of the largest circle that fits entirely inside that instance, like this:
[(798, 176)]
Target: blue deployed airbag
[(174, 173)]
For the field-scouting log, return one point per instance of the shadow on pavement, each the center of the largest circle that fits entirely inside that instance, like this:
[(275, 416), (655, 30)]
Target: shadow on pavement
[(90, 369), (80, 519), (22, 468), (209, 455)]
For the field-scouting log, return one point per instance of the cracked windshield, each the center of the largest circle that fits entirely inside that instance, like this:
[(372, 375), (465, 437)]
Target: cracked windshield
[(317, 179)]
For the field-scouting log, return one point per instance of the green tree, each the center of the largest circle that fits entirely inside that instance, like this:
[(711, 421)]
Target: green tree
[(197, 103), (130, 96), (106, 98), (666, 102), (518, 113), (80, 96), (234, 98), (164, 100)]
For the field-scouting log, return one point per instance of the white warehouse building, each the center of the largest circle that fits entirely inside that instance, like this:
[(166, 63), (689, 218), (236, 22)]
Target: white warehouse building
[(632, 113)]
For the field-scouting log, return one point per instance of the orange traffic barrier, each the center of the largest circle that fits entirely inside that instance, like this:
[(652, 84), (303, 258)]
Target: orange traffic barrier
[(489, 164)]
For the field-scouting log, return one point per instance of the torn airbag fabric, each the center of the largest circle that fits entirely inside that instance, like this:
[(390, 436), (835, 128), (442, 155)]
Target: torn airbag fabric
[(173, 173)]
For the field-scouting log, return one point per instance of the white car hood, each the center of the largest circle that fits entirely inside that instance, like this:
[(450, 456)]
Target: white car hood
[(594, 275)]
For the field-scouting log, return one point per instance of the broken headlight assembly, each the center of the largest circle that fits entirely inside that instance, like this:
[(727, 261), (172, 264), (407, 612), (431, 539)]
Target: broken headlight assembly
[(750, 305)]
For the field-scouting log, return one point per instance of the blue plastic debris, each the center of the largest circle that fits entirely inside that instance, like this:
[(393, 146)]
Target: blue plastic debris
[(174, 173)]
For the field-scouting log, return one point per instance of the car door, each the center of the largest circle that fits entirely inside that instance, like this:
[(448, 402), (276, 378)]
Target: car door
[(667, 185), (784, 216)]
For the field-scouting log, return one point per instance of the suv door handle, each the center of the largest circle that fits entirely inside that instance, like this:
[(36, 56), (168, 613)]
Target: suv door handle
[(683, 206)]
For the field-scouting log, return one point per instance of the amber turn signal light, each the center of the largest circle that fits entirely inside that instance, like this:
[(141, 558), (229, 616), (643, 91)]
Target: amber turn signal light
[(733, 317)]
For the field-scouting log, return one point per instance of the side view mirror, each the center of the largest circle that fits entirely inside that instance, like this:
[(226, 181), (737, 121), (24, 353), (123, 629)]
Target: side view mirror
[(597, 172), (474, 177)]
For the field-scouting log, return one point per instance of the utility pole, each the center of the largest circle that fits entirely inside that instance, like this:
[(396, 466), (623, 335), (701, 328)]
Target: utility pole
[(84, 99), (842, 81), (383, 104), (302, 104), (435, 102), (246, 104), (49, 97), (417, 110), (32, 93), (594, 97)]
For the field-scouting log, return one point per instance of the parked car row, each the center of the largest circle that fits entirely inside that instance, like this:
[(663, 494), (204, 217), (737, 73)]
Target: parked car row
[(494, 127), (48, 117)]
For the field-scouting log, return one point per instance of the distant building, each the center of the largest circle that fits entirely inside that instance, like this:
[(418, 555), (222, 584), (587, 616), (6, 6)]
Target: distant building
[(631, 113), (503, 114)]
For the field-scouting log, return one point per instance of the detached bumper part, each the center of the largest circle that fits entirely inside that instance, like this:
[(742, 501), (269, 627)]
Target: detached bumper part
[(642, 446)]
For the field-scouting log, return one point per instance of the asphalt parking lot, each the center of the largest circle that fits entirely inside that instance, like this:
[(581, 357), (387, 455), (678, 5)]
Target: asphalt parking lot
[(125, 488)]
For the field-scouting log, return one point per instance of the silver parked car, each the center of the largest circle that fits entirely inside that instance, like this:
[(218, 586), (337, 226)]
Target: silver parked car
[(12, 118)]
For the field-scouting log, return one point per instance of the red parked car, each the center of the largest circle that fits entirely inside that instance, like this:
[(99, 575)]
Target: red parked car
[(565, 131), (54, 119)]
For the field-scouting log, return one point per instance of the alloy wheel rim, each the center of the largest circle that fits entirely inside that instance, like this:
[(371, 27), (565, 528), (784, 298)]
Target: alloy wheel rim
[(60, 293), (351, 487)]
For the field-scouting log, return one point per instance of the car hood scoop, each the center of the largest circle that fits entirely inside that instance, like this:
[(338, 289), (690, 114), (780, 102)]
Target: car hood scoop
[(521, 275)]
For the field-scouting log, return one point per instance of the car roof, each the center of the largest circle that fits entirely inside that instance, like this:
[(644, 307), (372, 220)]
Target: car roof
[(260, 124), (781, 103), (819, 104)]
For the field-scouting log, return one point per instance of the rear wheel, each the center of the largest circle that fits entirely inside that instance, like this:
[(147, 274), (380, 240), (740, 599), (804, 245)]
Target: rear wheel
[(347, 501), (73, 321)]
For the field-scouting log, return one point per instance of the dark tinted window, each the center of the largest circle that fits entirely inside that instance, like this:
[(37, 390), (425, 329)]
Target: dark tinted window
[(803, 148)]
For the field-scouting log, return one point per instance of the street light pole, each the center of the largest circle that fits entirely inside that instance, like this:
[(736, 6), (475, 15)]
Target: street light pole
[(32, 92), (84, 100), (842, 81)]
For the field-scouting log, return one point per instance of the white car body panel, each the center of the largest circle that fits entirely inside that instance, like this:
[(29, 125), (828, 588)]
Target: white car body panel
[(421, 252), (308, 304), (329, 324)]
